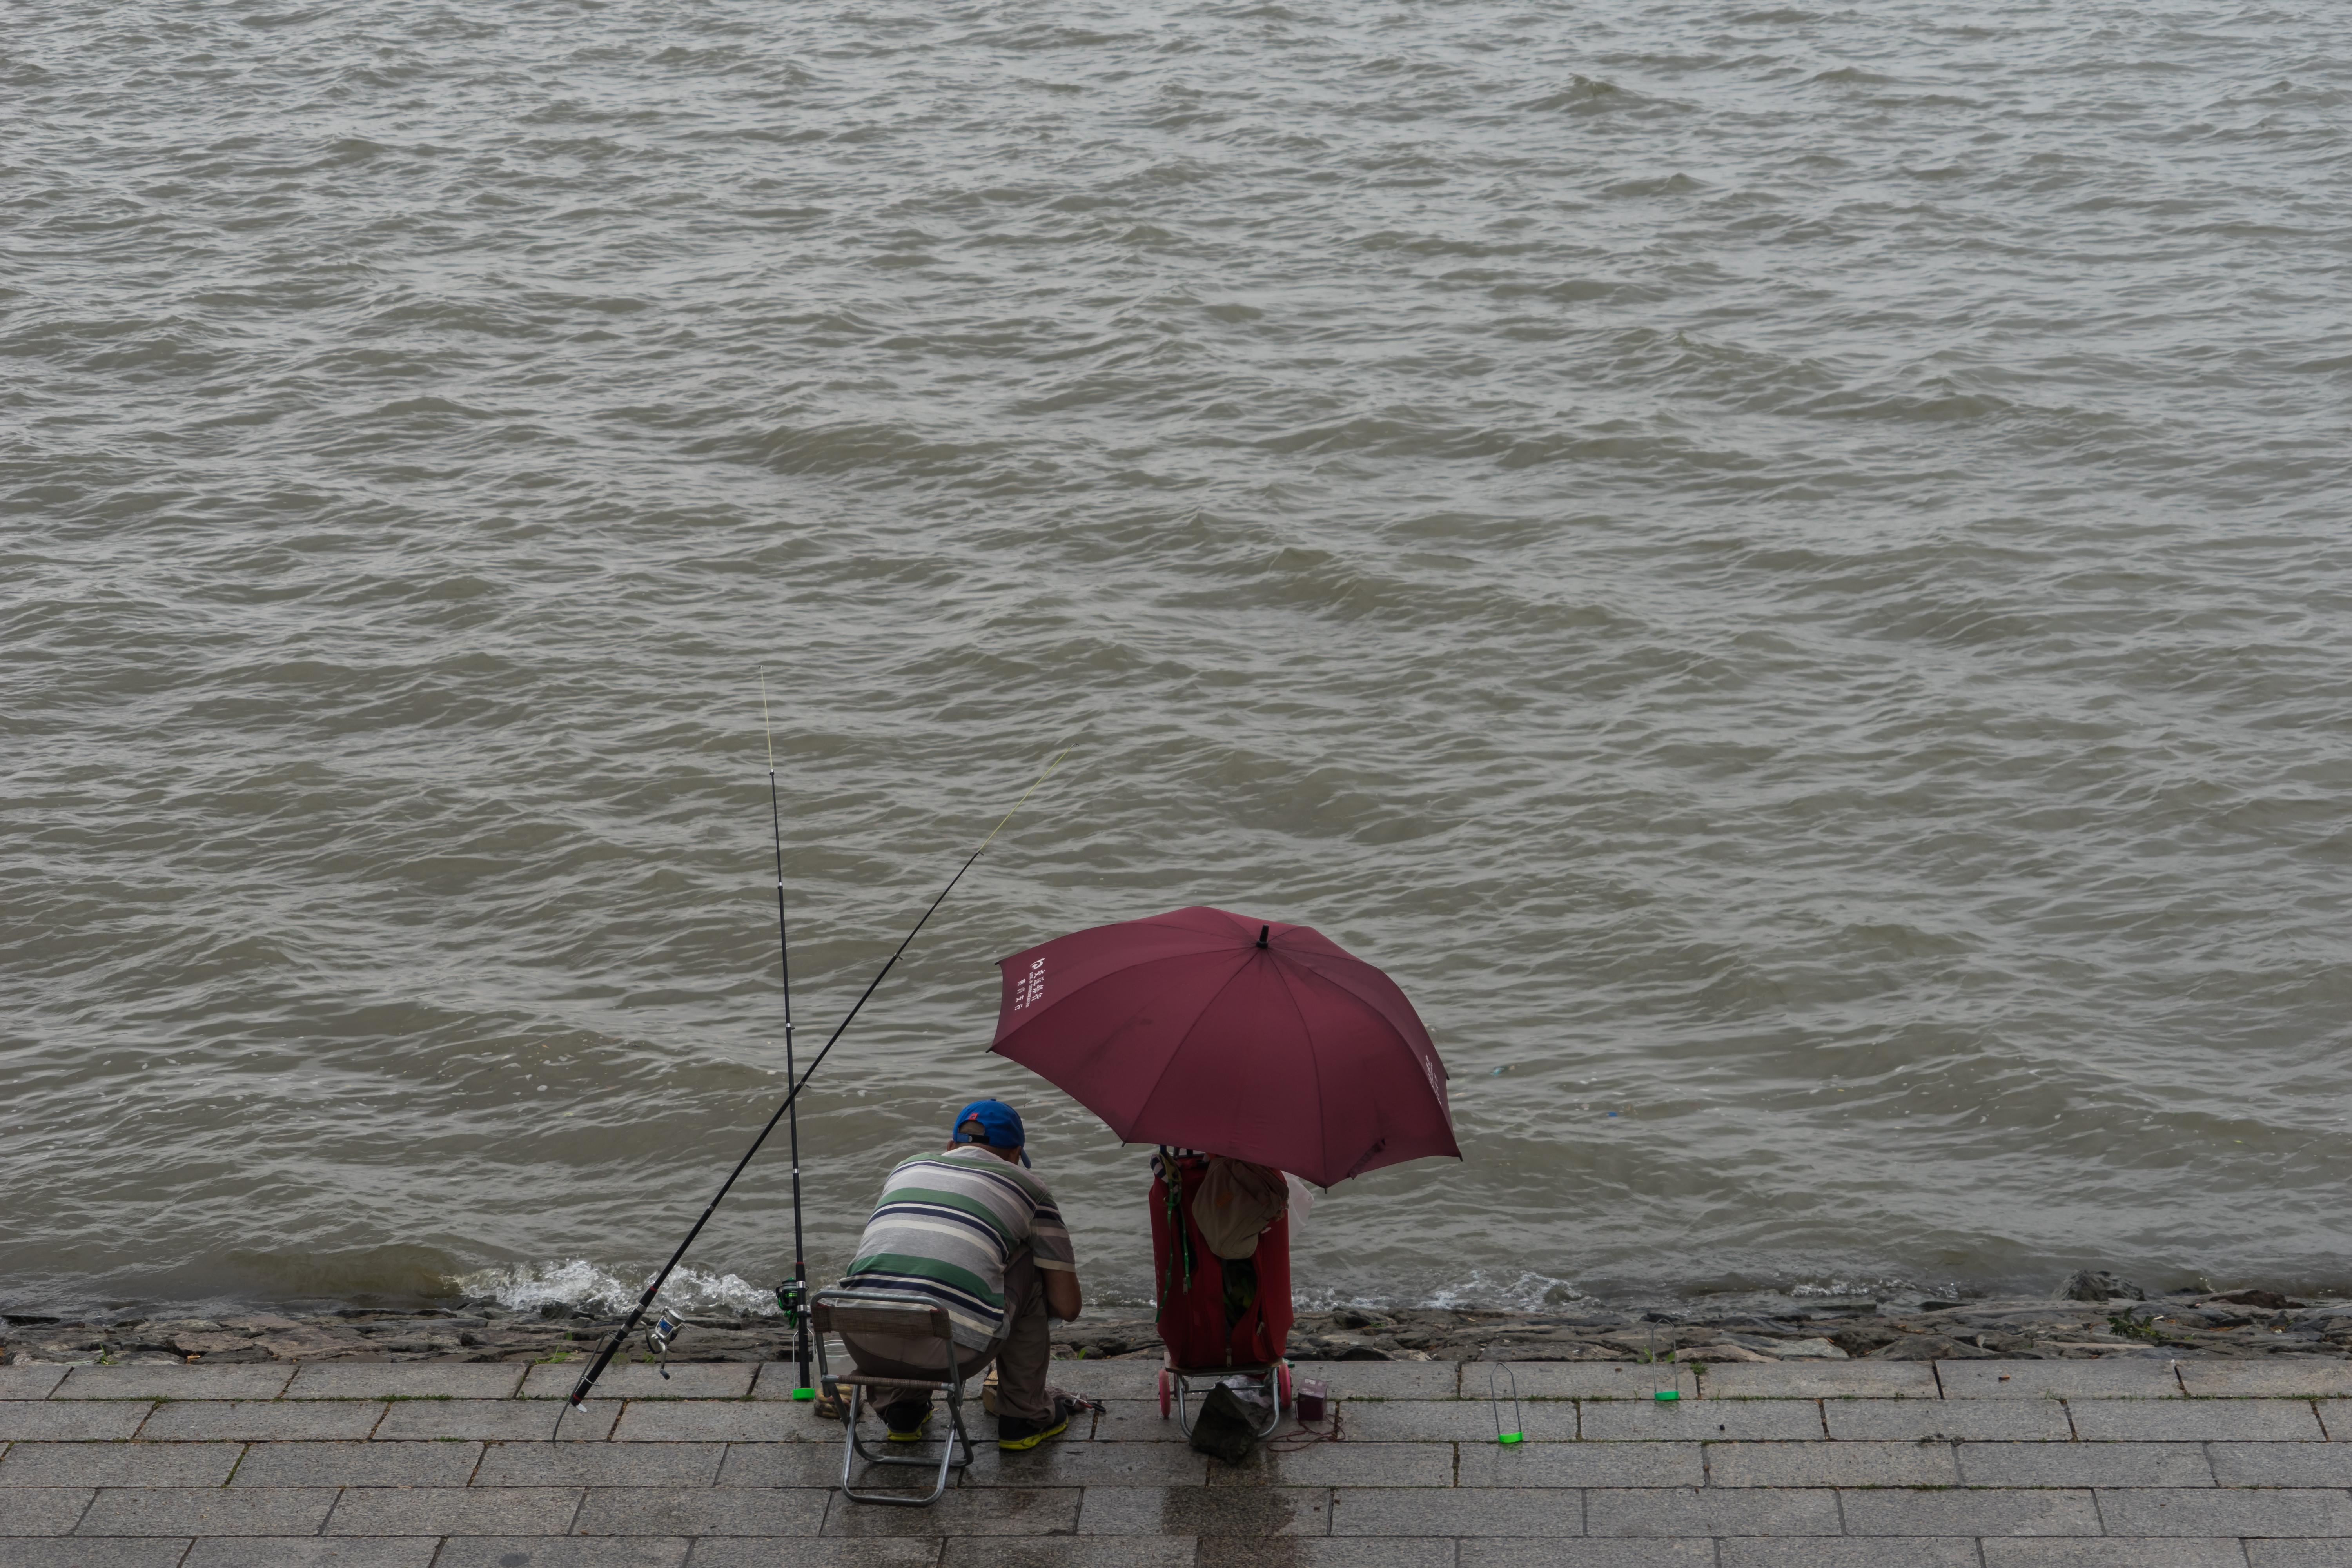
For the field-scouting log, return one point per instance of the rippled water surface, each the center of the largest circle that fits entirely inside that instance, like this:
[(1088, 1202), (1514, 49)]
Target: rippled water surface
[(1784, 569)]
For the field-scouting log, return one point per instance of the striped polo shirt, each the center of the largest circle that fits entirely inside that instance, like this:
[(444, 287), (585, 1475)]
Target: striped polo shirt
[(947, 1225)]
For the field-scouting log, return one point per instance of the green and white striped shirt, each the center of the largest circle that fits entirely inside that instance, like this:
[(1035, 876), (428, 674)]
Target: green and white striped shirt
[(945, 1226)]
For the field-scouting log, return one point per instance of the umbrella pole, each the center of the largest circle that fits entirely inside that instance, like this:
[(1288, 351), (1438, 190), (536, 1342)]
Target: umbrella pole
[(578, 1397), (792, 1295)]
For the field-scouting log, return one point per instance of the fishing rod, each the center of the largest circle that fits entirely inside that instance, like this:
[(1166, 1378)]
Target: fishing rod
[(791, 1295), (578, 1398)]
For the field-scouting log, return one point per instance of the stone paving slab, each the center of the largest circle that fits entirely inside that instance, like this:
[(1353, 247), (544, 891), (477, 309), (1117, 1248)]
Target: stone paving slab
[(467, 1511), (1076, 1464), (686, 1380), (740, 1511), (1970, 1512), (727, 1421), (1833, 1465), (1450, 1420), (2231, 1420), (61, 1421), (2144, 1553), (995, 1511), (496, 1420), (1188, 1510), (47, 1511), (1493, 1552), (301, 1551), (1333, 1465), (359, 1465), (91, 1554), (2136, 1378), (1981, 1420), (209, 1510), (913, 1551), (1589, 1380), (1703, 1510), (2228, 1511), (118, 1465), (2088, 1464), (1824, 1380), (29, 1382), (1131, 1421), (1465, 1512), (256, 1420), (2281, 1464), (409, 1380), (1403, 1379), (2290, 1553), (164, 1380), (2273, 1377), (497, 1551), (1753, 1420), (1665, 1463), (1816, 1551), (671, 1465)]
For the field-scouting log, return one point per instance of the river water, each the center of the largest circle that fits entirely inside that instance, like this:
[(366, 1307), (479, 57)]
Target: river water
[(1784, 569)]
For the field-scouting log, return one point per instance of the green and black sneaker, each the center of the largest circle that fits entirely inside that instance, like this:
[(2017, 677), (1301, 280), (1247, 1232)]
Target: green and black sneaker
[(906, 1418), (1015, 1433)]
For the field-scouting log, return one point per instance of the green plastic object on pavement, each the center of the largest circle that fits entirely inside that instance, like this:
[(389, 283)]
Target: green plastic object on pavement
[(1494, 1400)]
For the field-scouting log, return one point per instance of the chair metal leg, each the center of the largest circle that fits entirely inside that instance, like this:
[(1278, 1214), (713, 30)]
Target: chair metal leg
[(853, 1450)]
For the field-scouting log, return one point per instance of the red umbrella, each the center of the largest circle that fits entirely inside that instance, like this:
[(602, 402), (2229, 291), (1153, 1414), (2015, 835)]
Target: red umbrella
[(1209, 1030)]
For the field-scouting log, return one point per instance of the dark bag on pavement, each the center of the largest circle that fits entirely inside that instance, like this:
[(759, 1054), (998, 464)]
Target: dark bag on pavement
[(1225, 1428)]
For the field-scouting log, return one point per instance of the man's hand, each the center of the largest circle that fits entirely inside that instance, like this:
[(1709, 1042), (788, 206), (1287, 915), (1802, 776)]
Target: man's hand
[(1062, 1298)]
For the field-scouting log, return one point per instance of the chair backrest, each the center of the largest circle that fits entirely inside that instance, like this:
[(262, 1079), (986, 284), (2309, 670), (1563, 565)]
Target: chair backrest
[(879, 1312)]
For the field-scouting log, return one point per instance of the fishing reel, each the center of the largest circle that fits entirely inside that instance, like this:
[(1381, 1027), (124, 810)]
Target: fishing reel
[(660, 1336), (791, 1301)]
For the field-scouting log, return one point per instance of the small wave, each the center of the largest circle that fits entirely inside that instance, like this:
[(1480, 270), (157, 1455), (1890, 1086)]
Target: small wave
[(1483, 1290), (1585, 95), (522, 1286)]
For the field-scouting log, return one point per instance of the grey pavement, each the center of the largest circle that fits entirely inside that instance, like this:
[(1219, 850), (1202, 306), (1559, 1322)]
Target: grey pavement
[(1978, 1464)]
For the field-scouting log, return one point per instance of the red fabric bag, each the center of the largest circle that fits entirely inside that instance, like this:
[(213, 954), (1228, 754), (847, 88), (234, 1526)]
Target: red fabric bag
[(1214, 1312)]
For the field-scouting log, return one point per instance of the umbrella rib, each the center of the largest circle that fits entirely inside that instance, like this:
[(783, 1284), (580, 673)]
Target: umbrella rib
[(1315, 1063)]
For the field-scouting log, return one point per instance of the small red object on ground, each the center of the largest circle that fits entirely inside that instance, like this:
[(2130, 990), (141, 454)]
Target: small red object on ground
[(1313, 1399)]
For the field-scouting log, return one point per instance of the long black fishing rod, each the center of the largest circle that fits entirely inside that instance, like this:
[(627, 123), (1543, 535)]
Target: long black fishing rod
[(793, 1295), (578, 1398)]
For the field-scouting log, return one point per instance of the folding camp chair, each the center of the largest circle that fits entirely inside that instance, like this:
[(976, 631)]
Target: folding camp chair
[(910, 1330)]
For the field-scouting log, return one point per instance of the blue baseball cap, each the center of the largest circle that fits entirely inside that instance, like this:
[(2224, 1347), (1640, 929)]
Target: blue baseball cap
[(1000, 1126)]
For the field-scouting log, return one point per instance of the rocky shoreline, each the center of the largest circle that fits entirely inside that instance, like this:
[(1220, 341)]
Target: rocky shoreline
[(2099, 1317)]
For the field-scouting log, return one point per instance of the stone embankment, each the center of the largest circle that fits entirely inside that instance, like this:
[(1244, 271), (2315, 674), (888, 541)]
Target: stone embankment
[(2228, 1324)]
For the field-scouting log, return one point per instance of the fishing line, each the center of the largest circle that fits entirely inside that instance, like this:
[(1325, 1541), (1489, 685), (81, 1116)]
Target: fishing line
[(578, 1398)]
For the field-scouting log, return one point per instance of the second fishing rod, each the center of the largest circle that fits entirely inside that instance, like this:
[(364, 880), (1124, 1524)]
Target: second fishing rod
[(578, 1397), (791, 1295)]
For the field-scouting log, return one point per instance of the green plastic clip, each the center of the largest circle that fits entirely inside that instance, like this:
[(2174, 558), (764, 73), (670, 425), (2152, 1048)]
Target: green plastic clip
[(1668, 1395), (1508, 1438), (804, 1393)]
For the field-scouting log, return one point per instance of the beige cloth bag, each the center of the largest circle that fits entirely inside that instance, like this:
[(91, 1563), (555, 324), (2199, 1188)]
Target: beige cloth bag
[(1235, 1202)]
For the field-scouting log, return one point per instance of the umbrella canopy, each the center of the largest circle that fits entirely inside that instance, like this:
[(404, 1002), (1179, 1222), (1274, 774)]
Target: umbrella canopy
[(1211, 1030)]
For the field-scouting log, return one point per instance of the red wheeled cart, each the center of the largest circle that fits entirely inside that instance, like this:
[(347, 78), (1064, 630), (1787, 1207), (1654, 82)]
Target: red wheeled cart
[(1220, 1318)]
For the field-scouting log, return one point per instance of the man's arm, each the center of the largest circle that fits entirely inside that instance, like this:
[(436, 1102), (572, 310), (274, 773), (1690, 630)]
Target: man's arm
[(1062, 1298)]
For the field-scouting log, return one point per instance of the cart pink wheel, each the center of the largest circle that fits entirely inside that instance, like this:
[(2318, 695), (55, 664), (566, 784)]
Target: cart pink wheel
[(1281, 1382), (1163, 1393)]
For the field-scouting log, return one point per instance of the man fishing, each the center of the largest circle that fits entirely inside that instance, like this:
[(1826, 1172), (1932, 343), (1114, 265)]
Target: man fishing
[(977, 1232)]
